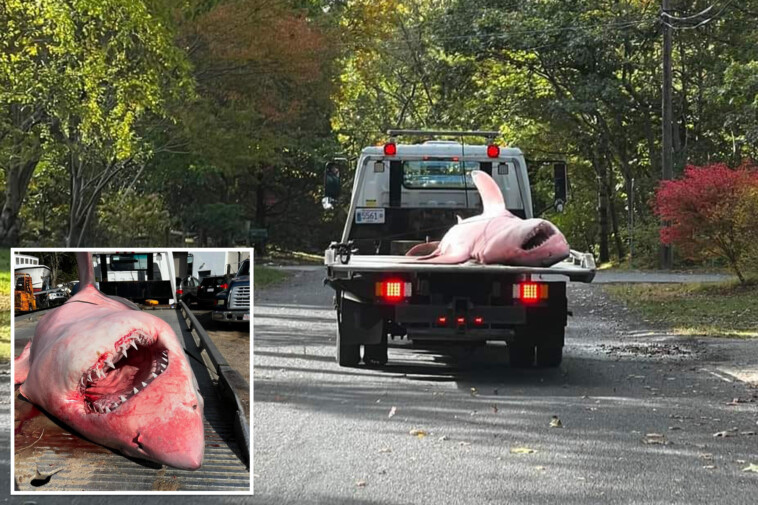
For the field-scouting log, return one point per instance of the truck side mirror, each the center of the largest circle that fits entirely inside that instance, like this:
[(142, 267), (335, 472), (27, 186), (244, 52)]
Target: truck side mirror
[(560, 179), (332, 183)]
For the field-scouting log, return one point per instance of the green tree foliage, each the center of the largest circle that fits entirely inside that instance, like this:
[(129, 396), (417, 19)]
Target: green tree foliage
[(78, 77)]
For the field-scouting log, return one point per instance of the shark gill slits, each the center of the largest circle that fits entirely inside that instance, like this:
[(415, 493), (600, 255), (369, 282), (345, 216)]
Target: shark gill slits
[(118, 376)]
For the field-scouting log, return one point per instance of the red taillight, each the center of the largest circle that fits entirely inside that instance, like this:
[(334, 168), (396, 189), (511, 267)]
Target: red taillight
[(390, 149), (224, 286), (493, 151), (442, 320), (460, 320), (530, 292), (393, 290), (478, 321), (179, 292)]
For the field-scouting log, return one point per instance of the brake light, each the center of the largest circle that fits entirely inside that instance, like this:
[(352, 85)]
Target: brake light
[(478, 320), (442, 320), (493, 151), (460, 320), (390, 149), (393, 290), (224, 286), (530, 292), (179, 291)]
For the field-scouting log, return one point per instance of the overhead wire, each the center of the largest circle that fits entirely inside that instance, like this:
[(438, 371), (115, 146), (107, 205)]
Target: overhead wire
[(702, 23)]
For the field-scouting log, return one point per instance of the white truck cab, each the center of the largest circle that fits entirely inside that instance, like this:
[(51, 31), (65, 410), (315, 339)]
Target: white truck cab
[(409, 193)]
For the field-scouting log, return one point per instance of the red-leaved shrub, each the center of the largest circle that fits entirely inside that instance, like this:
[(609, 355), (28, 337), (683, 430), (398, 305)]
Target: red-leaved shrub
[(712, 212)]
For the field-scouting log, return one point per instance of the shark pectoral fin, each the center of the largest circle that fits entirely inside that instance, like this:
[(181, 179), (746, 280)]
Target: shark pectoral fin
[(424, 249), (21, 364), (447, 258), (492, 197)]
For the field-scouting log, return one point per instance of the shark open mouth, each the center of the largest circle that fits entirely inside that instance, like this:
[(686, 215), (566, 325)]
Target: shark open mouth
[(119, 376), (538, 236)]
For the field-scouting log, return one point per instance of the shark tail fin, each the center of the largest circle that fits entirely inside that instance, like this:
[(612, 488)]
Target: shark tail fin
[(492, 197), (86, 270), (21, 364)]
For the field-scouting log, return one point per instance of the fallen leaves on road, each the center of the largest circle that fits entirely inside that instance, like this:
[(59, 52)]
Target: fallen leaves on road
[(655, 439), (555, 422), (360, 483), (392, 412), (443, 438), (752, 467), (385, 450), (418, 433), (726, 433), (494, 409), (709, 467), (522, 450), (540, 468)]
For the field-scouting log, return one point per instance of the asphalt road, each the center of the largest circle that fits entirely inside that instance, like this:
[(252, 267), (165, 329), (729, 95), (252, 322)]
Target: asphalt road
[(324, 433)]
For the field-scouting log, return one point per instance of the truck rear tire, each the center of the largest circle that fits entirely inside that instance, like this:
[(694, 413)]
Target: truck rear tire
[(375, 354), (347, 354), (549, 356), (521, 355)]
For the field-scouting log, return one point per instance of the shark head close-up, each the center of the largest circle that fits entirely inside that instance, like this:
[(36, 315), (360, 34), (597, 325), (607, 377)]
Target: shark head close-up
[(116, 375)]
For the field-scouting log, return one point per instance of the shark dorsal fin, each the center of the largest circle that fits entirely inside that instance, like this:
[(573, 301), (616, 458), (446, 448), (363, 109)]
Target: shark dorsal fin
[(86, 270), (492, 197)]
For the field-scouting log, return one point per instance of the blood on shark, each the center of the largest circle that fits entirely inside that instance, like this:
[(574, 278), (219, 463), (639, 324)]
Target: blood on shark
[(116, 375), (496, 236)]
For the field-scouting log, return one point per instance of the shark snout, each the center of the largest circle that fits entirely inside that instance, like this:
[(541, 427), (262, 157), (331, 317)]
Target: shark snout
[(181, 445)]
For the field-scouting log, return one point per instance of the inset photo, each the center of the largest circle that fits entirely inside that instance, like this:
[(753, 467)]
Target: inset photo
[(132, 371)]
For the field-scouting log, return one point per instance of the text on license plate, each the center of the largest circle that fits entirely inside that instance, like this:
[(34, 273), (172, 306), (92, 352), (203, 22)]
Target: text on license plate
[(369, 216)]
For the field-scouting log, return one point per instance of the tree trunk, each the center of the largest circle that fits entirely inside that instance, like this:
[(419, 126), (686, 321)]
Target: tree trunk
[(17, 181)]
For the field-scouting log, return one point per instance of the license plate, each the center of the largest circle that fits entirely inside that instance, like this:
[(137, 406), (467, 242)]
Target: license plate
[(210, 290), (246, 317), (369, 216)]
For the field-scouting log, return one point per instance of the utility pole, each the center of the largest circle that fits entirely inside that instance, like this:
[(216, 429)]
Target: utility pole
[(668, 155)]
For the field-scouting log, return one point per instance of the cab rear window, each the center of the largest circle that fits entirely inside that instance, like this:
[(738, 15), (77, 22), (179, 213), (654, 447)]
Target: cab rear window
[(438, 174)]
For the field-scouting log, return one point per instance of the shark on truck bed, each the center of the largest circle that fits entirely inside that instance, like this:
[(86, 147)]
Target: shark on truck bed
[(116, 375), (496, 236)]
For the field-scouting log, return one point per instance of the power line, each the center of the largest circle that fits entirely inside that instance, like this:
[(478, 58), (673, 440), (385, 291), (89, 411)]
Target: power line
[(702, 23)]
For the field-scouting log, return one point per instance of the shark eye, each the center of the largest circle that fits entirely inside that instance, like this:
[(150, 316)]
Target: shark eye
[(123, 374)]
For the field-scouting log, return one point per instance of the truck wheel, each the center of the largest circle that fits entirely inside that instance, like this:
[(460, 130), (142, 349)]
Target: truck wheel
[(549, 355), (375, 354), (347, 354), (522, 355)]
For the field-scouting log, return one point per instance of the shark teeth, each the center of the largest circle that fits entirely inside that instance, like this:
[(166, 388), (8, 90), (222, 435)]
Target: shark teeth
[(108, 403)]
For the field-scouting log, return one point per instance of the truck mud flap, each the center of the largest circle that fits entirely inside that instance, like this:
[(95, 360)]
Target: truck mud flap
[(361, 323)]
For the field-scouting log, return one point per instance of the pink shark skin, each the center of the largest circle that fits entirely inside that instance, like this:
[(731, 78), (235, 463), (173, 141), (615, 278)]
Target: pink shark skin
[(496, 236), (79, 341)]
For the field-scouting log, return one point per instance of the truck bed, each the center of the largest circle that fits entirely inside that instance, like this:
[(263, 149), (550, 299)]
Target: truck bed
[(43, 445), (579, 267)]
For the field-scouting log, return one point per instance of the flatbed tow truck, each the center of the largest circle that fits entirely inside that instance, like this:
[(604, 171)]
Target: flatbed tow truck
[(49, 457), (408, 194)]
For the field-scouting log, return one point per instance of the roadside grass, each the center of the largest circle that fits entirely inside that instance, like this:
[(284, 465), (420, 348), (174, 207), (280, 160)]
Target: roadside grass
[(724, 309), (282, 257), (265, 276), (5, 304)]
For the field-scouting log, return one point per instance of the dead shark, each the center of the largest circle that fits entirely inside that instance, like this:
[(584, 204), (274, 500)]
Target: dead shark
[(116, 375), (496, 236)]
